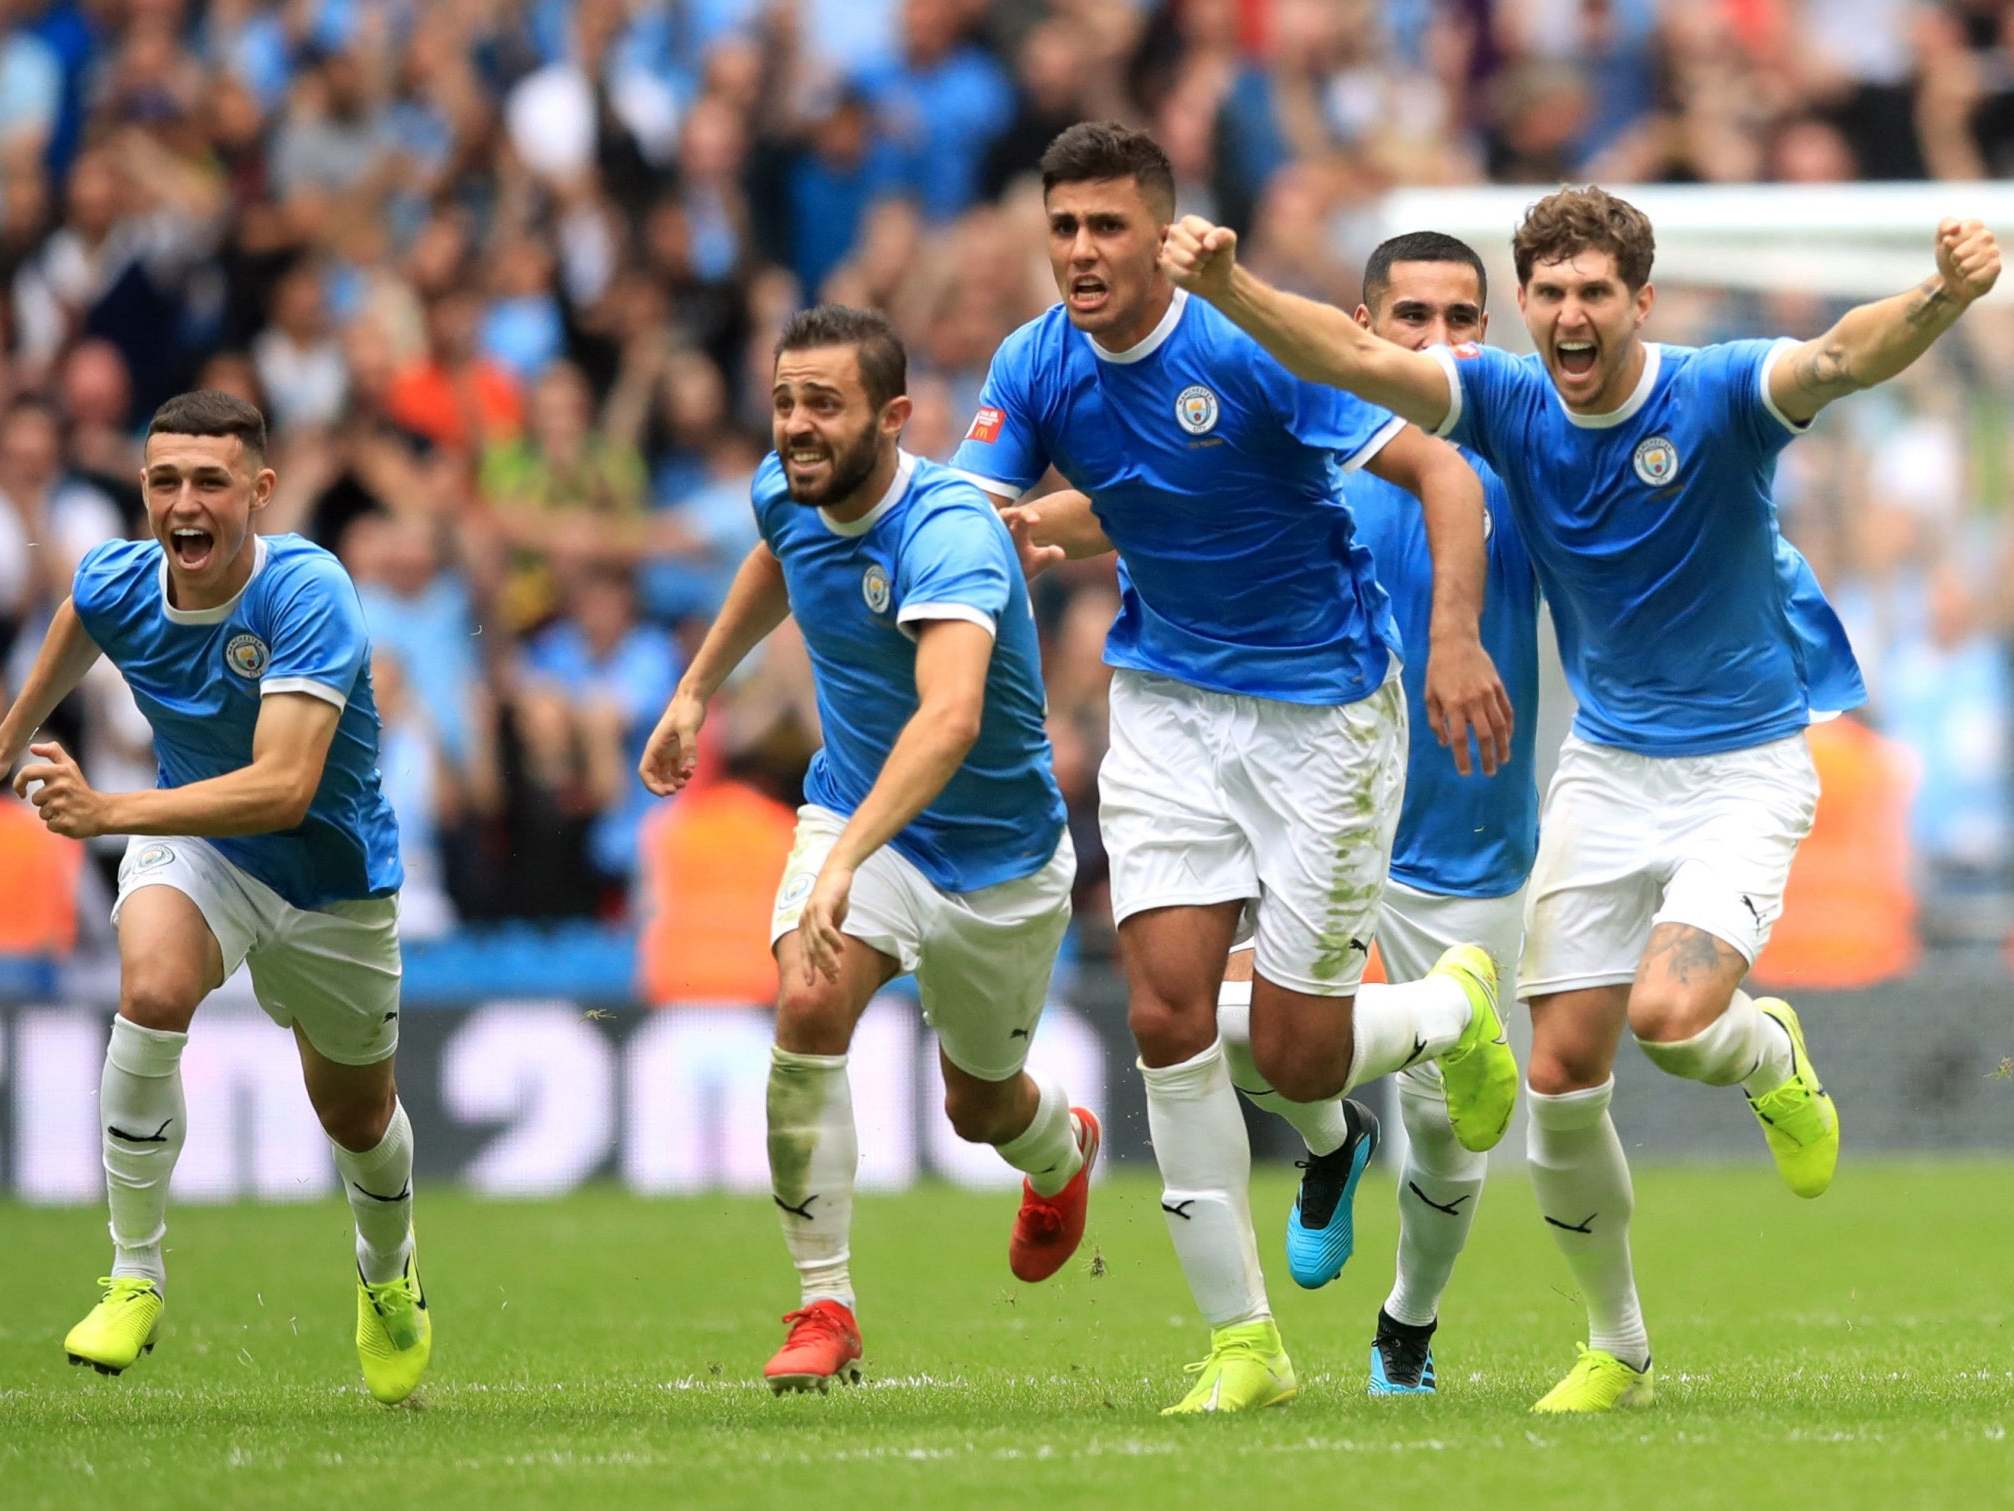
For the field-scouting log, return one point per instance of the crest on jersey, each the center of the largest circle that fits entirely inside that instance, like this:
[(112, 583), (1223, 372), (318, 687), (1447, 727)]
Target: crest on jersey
[(797, 888), (152, 856), (874, 588), (1657, 460), (1196, 409), (246, 655)]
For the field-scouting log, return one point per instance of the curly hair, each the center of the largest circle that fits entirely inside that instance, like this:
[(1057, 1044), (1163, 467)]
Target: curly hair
[(1575, 220)]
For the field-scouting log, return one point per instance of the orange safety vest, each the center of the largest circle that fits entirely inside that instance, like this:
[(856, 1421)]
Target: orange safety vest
[(38, 884)]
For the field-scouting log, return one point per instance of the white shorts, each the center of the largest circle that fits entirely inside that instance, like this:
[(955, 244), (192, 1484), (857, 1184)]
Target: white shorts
[(1210, 797), (982, 959), (1628, 841), (334, 971), (1414, 928)]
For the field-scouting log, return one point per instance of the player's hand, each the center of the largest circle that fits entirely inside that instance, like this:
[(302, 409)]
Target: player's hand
[(1199, 256), (1968, 258), (819, 923), (1022, 521), (68, 804), (1465, 694), (673, 748)]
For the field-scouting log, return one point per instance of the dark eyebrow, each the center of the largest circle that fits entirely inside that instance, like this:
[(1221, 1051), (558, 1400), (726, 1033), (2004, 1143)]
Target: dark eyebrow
[(810, 385)]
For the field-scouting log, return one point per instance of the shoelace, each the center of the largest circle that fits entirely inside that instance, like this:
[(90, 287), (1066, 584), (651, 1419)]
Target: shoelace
[(1239, 1347), (1792, 1109), (394, 1296), (813, 1320), (130, 1285), (1041, 1217), (1405, 1358)]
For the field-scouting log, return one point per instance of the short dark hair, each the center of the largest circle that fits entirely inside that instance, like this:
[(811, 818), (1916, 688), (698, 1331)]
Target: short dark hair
[(884, 366), (1093, 150), (211, 411), (1419, 246), (1586, 219)]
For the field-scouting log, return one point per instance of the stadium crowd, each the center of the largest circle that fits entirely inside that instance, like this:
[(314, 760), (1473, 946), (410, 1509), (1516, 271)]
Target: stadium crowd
[(505, 277)]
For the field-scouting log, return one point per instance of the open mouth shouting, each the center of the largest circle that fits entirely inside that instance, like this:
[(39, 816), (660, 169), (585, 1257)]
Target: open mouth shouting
[(192, 546), (1576, 358), (1089, 293)]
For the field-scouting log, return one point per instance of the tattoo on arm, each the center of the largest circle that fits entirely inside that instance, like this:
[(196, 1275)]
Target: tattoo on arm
[(1821, 371), (1932, 306)]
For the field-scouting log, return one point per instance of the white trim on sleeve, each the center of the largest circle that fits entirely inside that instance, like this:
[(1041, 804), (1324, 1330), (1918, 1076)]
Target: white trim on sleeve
[(1446, 357), (1762, 386), (914, 611), (1009, 491), (1375, 444), (306, 685)]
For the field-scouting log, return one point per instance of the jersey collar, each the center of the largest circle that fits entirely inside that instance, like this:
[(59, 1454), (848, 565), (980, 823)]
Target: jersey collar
[(1150, 343), (905, 465), (223, 610), (1639, 396)]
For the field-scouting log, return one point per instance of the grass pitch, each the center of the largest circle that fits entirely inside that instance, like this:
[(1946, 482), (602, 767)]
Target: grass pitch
[(606, 1350)]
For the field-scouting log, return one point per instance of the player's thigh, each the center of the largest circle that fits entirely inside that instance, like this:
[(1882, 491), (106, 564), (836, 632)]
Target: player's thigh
[(1319, 790), (183, 927), (332, 974), (1415, 928), (986, 964), (1169, 839), (887, 915), (1601, 865), (1173, 959), (353, 1102), (1739, 821)]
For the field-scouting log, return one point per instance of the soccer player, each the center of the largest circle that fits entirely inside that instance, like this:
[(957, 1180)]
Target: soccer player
[(1257, 722), (1640, 478), (267, 842), (932, 838)]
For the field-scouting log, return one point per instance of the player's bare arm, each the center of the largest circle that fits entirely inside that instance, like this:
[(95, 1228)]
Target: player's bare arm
[(67, 653), (951, 660), (757, 602), (1057, 527), (1464, 692), (1874, 342), (1312, 340), (290, 743)]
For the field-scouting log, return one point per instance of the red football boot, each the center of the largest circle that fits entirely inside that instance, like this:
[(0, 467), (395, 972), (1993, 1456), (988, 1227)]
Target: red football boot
[(824, 1345), (1048, 1229)]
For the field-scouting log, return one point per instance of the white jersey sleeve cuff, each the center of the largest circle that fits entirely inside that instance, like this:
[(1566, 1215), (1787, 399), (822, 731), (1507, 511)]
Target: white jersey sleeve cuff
[(1375, 444), (306, 685), (1762, 372), (992, 485), (912, 612), (1446, 358)]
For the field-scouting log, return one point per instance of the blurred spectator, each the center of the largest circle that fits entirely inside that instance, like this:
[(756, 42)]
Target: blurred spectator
[(48, 520), (938, 108), (31, 87), (594, 108), (39, 875), (300, 364), (589, 690), (419, 782), (450, 392)]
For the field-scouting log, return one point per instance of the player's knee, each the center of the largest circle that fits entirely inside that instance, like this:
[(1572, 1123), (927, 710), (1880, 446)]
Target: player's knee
[(159, 997), (1555, 1070), (357, 1122), (1168, 1031), (812, 1018), (979, 1115), (1662, 1011), (1297, 1077)]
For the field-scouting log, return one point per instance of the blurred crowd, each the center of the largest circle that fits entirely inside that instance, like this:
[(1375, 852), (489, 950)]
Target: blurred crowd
[(505, 274)]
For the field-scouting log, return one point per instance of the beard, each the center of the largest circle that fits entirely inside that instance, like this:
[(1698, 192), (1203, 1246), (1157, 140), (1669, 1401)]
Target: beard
[(849, 469)]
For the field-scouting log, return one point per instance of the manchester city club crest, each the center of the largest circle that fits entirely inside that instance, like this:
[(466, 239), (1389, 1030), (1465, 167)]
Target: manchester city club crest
[(1657, 461), (246, 655), (1196, 409), (798, 888), (152, 856), (874, 588)]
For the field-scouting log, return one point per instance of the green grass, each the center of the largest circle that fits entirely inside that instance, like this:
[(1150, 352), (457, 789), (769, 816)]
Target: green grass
[(604, 1350)]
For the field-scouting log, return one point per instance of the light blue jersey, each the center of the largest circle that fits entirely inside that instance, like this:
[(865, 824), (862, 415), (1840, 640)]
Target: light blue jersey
[(198, 676), (932, 548), (1217, 475), (1459, 836), (1687, 625)]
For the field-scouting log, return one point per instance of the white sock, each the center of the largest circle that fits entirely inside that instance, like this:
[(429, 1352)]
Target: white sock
[(1741, 1045), (1046, 1150), (1397, 1026), (1582, 1183), (813, 1155), (379, 1184), (1321, 1125), (143, 1122), (1438, 1192), (1206, 1172)]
